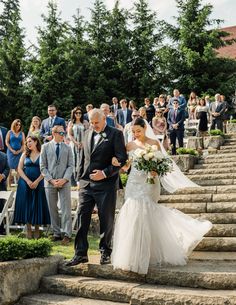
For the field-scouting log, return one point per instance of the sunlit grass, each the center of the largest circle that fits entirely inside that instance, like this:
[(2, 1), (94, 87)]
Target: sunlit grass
[(68, 251)]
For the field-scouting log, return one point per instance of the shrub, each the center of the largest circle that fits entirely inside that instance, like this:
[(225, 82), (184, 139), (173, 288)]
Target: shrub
[(232, 121), (124, 178), (12, 248), (216, 132), (186, 151)]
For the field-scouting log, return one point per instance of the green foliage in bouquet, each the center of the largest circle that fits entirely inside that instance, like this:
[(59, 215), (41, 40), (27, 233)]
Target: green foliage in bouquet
[(186, 151), (124, 178), (216, 132), (12, 248)]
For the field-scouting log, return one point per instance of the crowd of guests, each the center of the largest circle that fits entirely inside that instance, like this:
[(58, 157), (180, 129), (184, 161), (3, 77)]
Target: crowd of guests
[(45, 175)]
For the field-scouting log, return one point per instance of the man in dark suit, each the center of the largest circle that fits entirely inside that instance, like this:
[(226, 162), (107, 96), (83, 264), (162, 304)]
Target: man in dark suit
[(4, 172), (47, 124), (217, 110), (124, 114), (115, 105), (175, 119), (3, 133), (98, 184)]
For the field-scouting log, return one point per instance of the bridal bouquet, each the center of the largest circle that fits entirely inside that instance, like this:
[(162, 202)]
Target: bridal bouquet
[(151, 159)]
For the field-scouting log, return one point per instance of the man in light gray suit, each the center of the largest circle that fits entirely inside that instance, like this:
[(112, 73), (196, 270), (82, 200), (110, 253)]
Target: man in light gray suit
[(56, 163)]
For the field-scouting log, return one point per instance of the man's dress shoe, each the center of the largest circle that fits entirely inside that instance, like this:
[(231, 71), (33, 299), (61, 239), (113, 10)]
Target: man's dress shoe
[(105, 259), (76, 260)]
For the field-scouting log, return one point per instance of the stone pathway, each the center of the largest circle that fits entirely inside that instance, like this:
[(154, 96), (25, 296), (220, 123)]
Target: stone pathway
[(209, 278)]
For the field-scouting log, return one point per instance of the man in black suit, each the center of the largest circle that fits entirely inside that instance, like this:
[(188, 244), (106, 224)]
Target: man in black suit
[(3, 133), (115, 106), (98, 184), (4, 172), (175, 119)]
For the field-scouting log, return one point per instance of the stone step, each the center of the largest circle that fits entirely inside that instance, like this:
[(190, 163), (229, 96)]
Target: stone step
[(226, 151), (217, 244), (212, 256), (85, 279), (213, 165), (212, 176), (202, 207), (215, 160), (53, 299), (185, 198), (228, 147), (220, 155), (213, 182), (216, 170), (145, 295), (222, 230), (217, 218), (204, 190)]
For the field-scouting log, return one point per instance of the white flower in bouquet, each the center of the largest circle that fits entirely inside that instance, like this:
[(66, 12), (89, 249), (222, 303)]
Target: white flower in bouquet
[(149, 160)]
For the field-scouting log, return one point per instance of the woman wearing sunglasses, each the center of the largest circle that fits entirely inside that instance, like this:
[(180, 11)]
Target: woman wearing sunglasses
[(76, 129)]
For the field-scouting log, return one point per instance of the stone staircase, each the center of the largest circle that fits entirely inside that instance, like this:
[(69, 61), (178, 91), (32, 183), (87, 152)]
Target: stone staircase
[(209, 278)]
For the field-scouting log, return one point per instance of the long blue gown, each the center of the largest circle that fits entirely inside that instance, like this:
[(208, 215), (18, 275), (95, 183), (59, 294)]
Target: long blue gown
[(31, 205)]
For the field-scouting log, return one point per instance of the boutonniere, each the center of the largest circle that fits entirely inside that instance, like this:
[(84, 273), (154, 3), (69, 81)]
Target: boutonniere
[(104, 136)]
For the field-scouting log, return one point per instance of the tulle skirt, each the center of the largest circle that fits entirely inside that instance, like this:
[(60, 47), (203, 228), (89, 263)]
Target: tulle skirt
[(147, 233)]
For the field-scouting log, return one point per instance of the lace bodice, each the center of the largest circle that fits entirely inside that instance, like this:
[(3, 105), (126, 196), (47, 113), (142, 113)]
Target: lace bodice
[(137, 187)]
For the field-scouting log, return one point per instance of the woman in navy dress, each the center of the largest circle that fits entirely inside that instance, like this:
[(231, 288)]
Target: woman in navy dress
[(31, 206), (15, 140)]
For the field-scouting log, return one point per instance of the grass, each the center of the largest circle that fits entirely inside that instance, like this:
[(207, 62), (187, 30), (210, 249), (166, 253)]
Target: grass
[(68, 251)]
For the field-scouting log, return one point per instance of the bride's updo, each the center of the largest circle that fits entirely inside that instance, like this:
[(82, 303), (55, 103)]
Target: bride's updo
[(139, 122)]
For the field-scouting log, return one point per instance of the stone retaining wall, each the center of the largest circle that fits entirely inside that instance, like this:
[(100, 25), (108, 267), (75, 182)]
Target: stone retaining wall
[(23, 276)]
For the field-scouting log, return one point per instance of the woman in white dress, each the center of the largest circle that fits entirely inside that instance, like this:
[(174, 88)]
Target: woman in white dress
[(147, 233)]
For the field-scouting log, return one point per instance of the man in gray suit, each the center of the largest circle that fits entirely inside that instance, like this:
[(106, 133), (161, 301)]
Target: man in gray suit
[(217, 110), (56, 163)]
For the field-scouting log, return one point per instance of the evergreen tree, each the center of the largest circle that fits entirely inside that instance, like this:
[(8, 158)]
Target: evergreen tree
[(12, 63), (146, 39), (50, 82), (194, 64)]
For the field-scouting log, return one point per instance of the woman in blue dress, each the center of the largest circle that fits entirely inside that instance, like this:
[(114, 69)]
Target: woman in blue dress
[(15, 140), (31, 206)]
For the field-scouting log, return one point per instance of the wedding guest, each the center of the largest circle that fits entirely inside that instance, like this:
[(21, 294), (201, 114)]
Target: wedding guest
[(192, 104), (52, 120), (203, 115), (76, 129), (159, 126), (225, 115), (3, 133), (132, 105), (15, 140), (115, 105), (155, 102), (176, 117), (123, 114), (143, 113), (128, 134), (34, 129), (31, 207), (106, 110), (88, 107), (217, 110), (4, 172), (163, 105), (56, 164), (180, 98), (150, 109)]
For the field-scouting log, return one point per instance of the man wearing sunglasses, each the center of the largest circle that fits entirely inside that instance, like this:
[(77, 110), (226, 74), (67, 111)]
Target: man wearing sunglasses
[(56, 163)]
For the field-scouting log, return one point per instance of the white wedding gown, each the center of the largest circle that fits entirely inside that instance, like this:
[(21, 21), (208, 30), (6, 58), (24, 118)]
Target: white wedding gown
[(147, 233)]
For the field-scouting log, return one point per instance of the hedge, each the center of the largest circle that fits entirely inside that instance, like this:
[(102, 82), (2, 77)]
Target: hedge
[(12, 248)]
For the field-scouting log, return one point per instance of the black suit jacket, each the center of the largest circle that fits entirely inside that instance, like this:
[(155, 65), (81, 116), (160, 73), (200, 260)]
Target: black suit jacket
[(4, 133), (179, 118), (4, 169), (110, 145), (121, 119)]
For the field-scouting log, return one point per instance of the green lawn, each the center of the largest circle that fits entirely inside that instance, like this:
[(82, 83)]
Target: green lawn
[(68, 251)]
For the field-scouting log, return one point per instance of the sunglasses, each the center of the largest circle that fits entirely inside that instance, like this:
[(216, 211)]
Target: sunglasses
[(18, 124), (78, 112), (61, 133), (135, 115)]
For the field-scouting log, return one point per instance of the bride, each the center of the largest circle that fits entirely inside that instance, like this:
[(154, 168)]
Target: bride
[(147, 233)]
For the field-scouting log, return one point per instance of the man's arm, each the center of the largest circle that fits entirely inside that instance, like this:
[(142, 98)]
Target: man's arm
[(44, 164)]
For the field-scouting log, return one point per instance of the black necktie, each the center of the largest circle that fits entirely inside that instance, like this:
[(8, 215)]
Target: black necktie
[(57, 149)]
